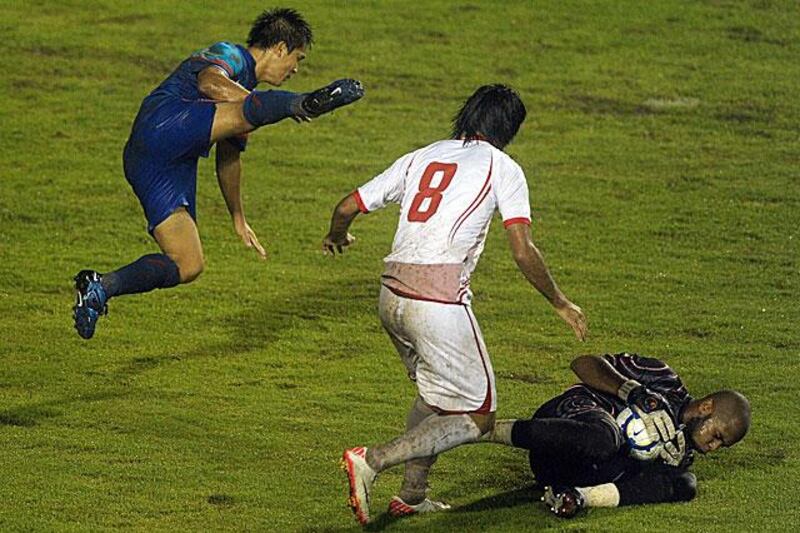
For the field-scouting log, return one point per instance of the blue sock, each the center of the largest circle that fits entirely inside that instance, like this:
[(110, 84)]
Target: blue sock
[(153, 271), (268, 107)]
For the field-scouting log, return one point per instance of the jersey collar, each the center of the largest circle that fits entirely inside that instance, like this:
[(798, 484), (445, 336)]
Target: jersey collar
[(249, 66)]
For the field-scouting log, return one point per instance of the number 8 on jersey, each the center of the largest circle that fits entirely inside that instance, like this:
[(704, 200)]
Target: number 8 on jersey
[(434, 194)]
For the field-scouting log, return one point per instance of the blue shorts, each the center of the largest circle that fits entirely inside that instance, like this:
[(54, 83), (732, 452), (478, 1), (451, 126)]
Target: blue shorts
[(168, 137)]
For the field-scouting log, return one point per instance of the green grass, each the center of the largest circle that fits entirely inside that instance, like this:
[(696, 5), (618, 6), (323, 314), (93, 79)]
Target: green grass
[(661, 153)]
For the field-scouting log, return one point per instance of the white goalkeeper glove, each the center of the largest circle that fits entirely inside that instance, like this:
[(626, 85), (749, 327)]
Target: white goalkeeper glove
[(658, 424), (651, 407), (674, 451)]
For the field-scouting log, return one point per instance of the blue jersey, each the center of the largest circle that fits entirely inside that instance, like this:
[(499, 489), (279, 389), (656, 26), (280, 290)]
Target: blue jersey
[(233, 60), (173, 129)]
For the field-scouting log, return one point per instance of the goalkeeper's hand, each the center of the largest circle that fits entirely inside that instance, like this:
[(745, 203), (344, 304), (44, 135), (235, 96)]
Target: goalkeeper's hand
[(645, 399), (658, 424), (674, 451), (651, 407)]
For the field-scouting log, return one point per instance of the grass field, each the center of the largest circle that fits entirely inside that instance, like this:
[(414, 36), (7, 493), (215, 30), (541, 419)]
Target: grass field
[(662, 154)]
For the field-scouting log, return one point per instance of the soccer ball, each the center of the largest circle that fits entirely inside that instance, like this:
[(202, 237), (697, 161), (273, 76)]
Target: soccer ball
[(641, 446)]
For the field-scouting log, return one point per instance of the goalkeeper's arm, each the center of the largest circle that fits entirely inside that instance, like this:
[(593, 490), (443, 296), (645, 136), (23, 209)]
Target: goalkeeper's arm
[(598, 373), (651, 407)]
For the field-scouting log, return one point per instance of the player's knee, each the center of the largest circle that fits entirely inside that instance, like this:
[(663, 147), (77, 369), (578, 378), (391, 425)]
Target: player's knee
[(684, 487), (607, 443), (485, 422), (190, 268)]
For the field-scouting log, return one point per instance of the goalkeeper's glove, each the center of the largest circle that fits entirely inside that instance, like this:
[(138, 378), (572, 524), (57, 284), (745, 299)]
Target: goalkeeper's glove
[(651, 407), (674, 451)]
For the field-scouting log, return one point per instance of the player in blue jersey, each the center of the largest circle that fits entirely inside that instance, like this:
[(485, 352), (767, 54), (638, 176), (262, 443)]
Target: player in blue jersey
[(209, 99), (578, 453)]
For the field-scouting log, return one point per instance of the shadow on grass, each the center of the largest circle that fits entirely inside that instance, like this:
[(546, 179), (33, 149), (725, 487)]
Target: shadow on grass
[(30, 415), (256, 326), (262, 323), (512, 498)]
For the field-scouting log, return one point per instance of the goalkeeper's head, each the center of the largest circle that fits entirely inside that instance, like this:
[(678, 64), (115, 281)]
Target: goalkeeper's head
[(718, 420), (493, 113)]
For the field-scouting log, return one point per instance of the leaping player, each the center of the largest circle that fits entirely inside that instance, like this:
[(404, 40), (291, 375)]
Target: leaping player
[(448, 192), (206, 100)]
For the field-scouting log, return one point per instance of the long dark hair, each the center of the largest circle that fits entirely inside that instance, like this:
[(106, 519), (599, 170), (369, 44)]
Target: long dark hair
[(493, 112)]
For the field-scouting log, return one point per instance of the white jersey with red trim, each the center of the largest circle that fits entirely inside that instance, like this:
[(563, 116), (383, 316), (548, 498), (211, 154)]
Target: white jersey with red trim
[(448, 192)]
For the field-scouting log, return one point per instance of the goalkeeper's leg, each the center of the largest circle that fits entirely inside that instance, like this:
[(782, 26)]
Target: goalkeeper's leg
[(655, 484), (590, 439)]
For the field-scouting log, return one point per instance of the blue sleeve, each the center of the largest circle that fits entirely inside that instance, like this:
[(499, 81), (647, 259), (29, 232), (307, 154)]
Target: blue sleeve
[(224, 55)]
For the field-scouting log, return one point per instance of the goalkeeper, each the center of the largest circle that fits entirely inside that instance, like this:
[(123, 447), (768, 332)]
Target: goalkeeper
[(580, 456)]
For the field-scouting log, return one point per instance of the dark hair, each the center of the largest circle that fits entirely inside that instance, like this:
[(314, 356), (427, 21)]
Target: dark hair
[(282, 24), (493, 112)]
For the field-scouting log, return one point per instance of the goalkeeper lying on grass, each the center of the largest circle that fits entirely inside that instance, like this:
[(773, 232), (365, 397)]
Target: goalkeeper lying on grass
[(582, 458)]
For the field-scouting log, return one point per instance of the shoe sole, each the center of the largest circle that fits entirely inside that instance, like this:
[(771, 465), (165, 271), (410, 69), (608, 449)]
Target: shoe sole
[(79, 304), (399, 509), (353, 501), (328, 98)]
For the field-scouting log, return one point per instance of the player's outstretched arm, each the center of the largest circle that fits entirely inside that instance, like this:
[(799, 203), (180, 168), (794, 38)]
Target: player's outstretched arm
[(531, 263), (343, 215), (229, 176)]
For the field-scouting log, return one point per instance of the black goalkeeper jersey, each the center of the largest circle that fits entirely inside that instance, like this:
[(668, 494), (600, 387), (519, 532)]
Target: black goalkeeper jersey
[(652, 373), (587, 405)]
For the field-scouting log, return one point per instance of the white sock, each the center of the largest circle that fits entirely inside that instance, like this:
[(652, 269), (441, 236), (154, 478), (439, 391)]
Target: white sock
[(500, 433), (430, 437), (605, 495)]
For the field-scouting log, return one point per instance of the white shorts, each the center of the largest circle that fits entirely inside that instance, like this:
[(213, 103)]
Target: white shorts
[(443, 350)]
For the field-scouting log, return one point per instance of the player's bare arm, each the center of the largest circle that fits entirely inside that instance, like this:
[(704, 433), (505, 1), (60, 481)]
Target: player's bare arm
[(343, 215), (229, 172), (531, 263), (215, 84)]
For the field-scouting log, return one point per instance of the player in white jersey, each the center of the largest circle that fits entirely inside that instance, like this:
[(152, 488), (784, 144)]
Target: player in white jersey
[(448, 192)]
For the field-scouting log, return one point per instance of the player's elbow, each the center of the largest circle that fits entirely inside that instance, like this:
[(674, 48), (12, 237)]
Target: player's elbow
[(522, 254), (684, 487), (581, 365), (206, 88)]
